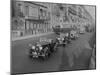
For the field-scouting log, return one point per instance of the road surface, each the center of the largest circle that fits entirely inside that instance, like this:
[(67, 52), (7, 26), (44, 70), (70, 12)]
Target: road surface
[(74, 56)]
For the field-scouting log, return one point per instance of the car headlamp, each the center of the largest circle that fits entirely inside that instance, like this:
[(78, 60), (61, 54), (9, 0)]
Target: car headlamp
[(40, 48), (58, 38), (33, 47)]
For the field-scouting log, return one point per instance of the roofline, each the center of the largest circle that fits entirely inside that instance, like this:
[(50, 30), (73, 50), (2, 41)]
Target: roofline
[(35, 4)]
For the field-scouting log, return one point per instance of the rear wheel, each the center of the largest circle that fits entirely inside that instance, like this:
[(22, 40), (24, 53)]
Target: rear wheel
[(69, 41)]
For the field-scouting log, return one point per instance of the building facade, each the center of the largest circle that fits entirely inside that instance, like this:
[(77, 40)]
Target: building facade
[(36, 19), (32, 18)]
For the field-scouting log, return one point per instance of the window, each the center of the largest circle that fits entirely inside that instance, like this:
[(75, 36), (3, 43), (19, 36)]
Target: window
[(33, 12)]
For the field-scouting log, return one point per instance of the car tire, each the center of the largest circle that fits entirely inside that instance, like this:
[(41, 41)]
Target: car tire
[(46, 54)]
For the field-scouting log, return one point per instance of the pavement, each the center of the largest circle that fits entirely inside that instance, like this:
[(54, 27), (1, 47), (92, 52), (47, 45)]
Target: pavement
[(75, 56), (29, 36)]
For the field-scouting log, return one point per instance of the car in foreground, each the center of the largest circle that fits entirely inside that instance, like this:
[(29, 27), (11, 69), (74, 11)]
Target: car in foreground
[(43, 49)]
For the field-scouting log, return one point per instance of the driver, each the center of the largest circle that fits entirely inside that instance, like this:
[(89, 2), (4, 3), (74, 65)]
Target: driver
[(39, 46)]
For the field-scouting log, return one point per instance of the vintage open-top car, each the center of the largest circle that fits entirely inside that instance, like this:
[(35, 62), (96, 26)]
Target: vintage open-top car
[(62, 41), (43, 49)]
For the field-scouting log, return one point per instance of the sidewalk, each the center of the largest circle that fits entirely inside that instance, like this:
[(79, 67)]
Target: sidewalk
[(30, 36)]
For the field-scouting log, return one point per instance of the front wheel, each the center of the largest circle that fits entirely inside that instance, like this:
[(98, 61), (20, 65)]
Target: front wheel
[(55, 47), (68, 41), (46, 53)]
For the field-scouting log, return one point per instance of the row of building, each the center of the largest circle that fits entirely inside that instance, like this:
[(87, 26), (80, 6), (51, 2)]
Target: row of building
[(32, 18), (29, 18)]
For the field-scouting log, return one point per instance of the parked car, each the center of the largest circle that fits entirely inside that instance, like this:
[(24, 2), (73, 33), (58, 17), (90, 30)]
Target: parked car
[(74, 35), (57, 29), (82, 30)]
